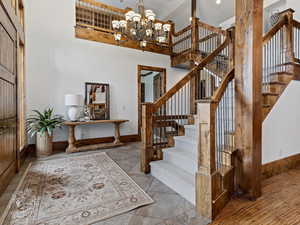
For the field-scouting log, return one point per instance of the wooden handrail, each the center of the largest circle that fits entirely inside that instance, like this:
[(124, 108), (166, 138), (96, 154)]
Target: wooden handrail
[(105, 6), (189, 76), (211, 28), (114, 9), (296, 24), (176, 34), (95, 27), (216, 98), (268, 36)]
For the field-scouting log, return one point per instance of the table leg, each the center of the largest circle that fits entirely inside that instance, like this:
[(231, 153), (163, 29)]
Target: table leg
[(117, 133), (71, 140)]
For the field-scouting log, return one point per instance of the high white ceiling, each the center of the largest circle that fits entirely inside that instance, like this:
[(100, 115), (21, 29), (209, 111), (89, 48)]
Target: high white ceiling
[(161, 7)]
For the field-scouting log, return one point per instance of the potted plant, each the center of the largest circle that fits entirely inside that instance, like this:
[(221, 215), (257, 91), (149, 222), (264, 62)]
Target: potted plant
[(42, 124)]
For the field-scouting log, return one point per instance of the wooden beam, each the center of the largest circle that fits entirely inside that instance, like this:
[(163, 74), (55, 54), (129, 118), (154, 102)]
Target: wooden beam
[(248, 76), (107, 38), (194, 8)]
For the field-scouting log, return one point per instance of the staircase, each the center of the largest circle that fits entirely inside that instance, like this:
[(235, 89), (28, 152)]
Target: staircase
[(179, 166), (174, 159), (189, 133)]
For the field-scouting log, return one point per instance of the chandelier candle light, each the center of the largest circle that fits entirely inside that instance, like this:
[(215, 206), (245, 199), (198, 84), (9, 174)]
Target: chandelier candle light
[(141, 27)]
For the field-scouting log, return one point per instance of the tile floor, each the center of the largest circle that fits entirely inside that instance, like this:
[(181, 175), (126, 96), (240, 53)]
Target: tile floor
[(169, 207)]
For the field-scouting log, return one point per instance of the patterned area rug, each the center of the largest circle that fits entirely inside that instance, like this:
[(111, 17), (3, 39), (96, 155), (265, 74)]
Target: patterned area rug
[(76, 190)]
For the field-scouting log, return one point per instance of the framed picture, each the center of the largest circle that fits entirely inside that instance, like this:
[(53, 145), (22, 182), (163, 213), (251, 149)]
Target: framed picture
[(97, 100)]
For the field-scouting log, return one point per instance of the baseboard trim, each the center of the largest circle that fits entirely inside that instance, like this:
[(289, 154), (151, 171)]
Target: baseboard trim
[(7, 176), (280, 166), (61, 146)]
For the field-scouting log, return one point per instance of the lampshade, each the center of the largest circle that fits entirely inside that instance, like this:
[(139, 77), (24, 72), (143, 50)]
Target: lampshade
[(73, 100)]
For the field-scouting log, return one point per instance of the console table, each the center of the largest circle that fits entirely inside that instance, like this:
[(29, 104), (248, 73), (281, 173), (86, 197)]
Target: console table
[(73, 147)]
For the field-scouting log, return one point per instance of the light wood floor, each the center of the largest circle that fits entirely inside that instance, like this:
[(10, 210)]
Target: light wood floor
[(279, 205)]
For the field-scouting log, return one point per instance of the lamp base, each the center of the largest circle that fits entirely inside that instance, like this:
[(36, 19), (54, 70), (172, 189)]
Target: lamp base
[(73, 113)]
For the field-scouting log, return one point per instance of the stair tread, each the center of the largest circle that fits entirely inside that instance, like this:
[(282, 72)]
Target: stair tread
[(266, 105), (275, 82), (281, 73), (228, 149), (289, 63), (186, 139), (270, 93), (170, 168), (176, 178)]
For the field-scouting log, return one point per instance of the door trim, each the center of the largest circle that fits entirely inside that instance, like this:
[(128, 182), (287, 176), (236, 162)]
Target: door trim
[(163, 71)]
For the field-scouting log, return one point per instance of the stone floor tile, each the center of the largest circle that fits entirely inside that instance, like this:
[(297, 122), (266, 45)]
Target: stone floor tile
[(169, 208)]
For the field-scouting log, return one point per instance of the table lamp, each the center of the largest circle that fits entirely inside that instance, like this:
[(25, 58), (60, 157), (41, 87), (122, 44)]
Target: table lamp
[(73, 101)]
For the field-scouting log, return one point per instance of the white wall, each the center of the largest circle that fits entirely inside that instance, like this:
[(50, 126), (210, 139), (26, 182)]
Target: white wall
[(148, 81), (281, 128), (57, 64), (270, 7), (294, 4)]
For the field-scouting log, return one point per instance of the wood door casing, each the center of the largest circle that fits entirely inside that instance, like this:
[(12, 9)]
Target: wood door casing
[(8, 99), (163, 73)]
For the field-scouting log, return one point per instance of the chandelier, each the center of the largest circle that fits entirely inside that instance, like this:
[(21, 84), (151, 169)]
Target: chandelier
[(141, 27)]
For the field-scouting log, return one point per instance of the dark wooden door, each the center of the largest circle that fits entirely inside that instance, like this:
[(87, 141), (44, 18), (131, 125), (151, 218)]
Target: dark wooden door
[(8, 98), (157, 87)]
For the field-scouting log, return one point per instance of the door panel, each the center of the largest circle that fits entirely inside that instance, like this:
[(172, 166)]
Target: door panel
[(8, 97), (157, 87)]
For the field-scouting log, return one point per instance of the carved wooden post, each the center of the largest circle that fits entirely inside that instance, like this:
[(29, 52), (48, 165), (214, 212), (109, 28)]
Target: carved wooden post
[(71, 140), (147, 135), (248, 93), (172, 32), (208, 181), (195, 49), (289, 36), (289, 40)]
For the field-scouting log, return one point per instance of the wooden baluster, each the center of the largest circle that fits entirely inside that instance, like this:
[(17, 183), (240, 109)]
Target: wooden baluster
[(147, 137), (231, 34)]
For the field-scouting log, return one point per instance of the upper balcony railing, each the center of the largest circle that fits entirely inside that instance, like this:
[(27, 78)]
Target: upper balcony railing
[(94, 16)]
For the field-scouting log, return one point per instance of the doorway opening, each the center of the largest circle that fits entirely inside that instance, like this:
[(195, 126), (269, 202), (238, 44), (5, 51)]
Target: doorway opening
[(151, 86)]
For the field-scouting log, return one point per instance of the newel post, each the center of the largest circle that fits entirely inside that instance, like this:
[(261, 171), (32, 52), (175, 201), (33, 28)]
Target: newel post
[(289, 36), (147, 148), (194, 49), (208, 181)]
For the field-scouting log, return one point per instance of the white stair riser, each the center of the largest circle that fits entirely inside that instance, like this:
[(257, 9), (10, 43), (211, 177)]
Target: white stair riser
[(190, 132), (184, 145), (185, 189), (189, 164)]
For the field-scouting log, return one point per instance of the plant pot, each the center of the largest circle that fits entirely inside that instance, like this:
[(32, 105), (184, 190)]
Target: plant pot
[(44, 145)]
